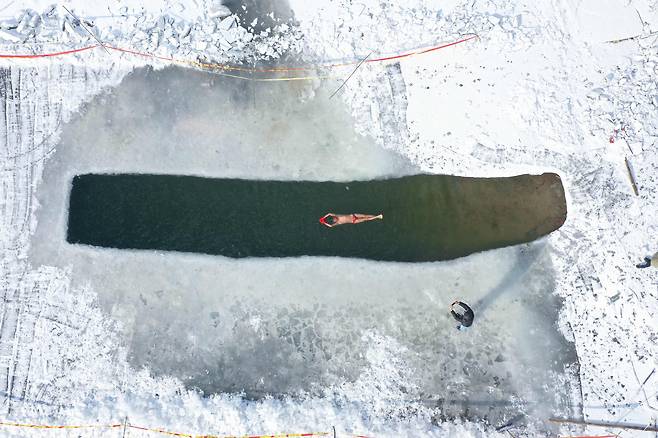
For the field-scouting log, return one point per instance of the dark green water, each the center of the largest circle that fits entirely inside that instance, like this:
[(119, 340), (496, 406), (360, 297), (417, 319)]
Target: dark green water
[(426, 217)]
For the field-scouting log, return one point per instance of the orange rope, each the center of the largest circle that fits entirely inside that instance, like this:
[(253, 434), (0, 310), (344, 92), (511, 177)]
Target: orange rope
[(47, 55), (589, 436), (226, 67), (45, 426), (158, 430), (351, 63)]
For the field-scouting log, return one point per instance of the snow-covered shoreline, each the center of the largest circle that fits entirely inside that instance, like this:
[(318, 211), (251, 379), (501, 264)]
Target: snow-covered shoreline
[(540, 74)]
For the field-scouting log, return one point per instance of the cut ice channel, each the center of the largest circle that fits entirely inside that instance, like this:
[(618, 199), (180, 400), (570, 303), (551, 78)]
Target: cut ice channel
[(277, 327)]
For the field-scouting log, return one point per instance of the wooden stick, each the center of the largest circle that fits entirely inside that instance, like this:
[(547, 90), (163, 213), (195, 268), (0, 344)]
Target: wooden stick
[(647, 428), (351, 74), (631, 176), (88, 31), (636, 37)]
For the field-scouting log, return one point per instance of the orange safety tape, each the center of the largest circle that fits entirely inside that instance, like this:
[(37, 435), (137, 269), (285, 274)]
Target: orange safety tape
[(412, 53), (284, 435), (345, 64), (45, 426), (47, 55), (201, 65), (225, 67), (589, 436), (158, 430)]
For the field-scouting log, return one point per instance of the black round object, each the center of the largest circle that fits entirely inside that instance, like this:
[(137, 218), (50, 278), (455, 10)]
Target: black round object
[(463, 313)]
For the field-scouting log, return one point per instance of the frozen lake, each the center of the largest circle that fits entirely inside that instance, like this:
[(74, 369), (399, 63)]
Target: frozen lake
[(273, 326)]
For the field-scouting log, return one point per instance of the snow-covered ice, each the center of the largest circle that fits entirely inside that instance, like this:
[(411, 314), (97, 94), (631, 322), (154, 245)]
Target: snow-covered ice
[(282, 326), (547, 86)]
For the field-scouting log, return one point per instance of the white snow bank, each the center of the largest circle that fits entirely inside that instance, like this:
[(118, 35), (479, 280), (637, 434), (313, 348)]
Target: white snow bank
[(543, 89), (61, 356), (539, 90)]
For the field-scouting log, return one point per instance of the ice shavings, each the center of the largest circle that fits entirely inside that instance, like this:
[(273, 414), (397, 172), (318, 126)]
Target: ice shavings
[(208, 32)]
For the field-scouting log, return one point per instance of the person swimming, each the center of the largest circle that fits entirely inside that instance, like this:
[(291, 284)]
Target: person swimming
[(332, 219)]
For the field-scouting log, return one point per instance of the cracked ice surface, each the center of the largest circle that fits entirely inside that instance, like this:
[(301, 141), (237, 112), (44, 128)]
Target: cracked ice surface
[(64, 359), (540, 90), (205, 30), (285, 326), (546, 90)]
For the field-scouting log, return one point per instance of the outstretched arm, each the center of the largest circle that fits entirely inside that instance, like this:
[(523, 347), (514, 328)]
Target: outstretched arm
[(327, 224)]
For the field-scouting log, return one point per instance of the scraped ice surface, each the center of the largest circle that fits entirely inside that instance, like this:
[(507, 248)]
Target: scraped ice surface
[(188, 122), (283, 326)]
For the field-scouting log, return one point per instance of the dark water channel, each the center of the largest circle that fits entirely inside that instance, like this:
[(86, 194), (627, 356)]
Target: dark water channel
[(426, 217)]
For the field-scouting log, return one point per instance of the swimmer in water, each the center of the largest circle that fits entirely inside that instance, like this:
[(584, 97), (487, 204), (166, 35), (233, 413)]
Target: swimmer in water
[(331, 219)]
